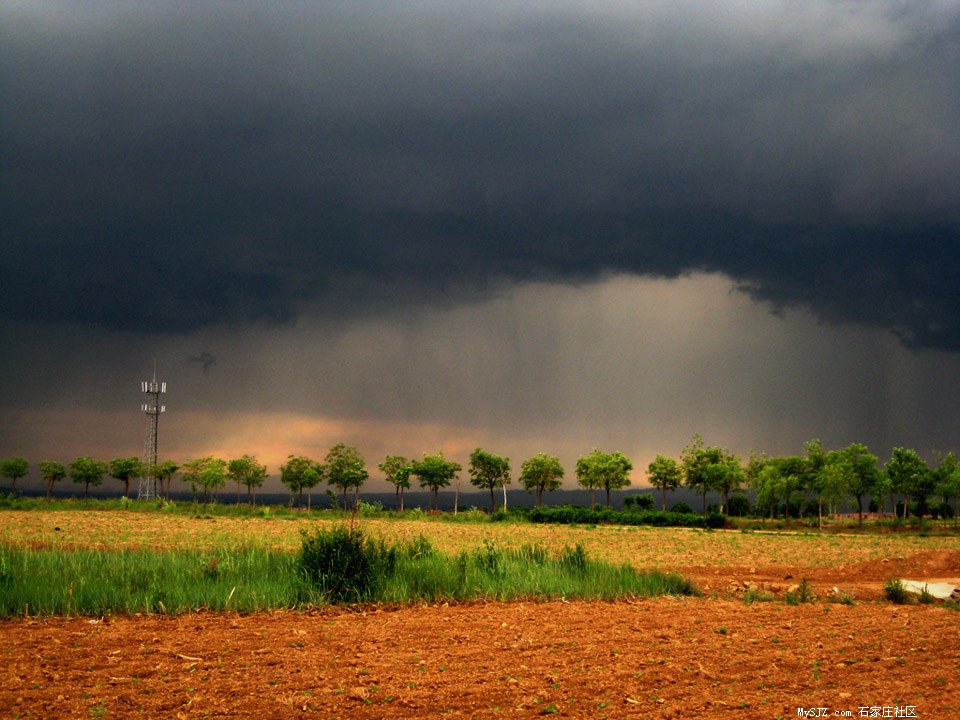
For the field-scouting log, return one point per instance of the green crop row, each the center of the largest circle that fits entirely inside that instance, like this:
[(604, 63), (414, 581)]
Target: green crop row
[(334, 565)]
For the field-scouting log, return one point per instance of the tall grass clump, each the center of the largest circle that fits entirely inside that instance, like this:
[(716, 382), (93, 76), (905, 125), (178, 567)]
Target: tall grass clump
[(345, 566)]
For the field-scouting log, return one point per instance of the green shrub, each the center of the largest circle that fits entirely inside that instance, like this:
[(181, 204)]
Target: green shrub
[(374, 509), (681, 507), (344, 565), (638, 502), (895, 592), (715, 520), (570, 515)]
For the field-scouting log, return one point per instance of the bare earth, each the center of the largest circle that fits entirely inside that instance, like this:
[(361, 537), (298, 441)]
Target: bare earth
[(664, 658)]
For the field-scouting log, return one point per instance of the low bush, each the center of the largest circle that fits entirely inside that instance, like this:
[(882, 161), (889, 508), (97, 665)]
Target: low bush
[(570, 515), (895, 592), (344, 565)]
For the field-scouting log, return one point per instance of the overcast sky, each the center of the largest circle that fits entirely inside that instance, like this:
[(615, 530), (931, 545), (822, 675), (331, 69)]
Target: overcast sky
[(541, 226)]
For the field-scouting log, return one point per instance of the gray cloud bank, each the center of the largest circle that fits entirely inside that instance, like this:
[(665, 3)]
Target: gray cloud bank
[(168, 168)]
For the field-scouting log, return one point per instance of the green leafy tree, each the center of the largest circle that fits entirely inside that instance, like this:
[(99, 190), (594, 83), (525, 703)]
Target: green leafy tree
[(247, 471), (763, 483), (860, 468), (13, 469), (910, 477), (435, 472), (609, 471), (792, 470), (298, 474), (397, 470), (164, 473), (814, 462), (124, 469), (833, 482), (694, 461), (947, 477), (86, 471), (541, 473), (206, 474), (345, 470), (488, 472), (768, 486), (52, 472), (664, 473), (710, 468), (725, 476)]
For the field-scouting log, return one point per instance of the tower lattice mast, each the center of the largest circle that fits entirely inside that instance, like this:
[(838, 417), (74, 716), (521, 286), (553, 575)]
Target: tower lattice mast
[(152, 409)]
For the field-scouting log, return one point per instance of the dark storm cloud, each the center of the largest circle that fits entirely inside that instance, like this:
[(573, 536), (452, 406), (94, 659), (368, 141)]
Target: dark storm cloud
[(170, 169)]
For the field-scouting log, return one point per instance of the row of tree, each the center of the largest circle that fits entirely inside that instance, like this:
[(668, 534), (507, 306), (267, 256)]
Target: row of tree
[(829, 477)]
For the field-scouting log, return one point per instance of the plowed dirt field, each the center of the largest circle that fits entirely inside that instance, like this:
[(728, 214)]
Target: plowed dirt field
[(663, 658)]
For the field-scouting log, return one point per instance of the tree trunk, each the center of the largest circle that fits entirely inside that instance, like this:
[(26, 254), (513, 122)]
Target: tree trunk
[(819, 513), (504, 486), (493, 502), (859, 510), (401, 499), (539, 494), (126, 487), (608, 497), (49, 491), (592, 503), (663, 495), (396, 500), (356, 497)]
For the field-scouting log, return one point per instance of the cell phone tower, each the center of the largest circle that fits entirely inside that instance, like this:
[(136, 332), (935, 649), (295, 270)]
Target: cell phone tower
[(152, 408)]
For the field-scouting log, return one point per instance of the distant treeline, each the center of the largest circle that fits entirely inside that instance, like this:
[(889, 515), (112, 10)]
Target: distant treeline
[(817, 482)]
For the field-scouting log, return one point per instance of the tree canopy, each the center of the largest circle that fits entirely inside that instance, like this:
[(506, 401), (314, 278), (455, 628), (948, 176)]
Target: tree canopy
[(205, 474), (909, 476), (488, 472), (247, 471), (345, 470), (300, 473), (86, 471), (710, 468), (664, 473), (541, 473), (397, 470), (125, 468), (609, 471), (435, 472), (52, 472), (14, 468)]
